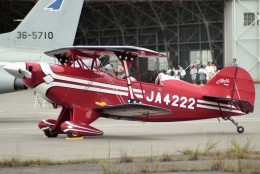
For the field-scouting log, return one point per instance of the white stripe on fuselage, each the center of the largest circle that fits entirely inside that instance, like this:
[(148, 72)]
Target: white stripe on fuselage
[(113, 89), (94, 89), (215, 103), (47, 70), (218, 108)]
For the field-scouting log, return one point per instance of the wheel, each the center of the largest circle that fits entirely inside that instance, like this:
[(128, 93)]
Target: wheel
[(71, 135), (240, 129), (225, 118), (50, 134)]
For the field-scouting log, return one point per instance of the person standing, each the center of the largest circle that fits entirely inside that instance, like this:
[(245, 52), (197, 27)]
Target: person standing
[(181, 72), (234, 63), (209, 72), (214, 68), (202, 74), (193, 73)]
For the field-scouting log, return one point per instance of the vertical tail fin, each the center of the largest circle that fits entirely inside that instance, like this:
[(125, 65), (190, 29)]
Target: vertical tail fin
[(232, 82), (50, 24)]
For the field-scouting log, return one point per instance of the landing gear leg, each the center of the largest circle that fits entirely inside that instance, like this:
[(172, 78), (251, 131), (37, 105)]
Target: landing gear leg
[(240, 129)]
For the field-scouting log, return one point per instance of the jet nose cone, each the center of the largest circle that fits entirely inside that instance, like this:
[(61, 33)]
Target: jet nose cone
[(18, 70)]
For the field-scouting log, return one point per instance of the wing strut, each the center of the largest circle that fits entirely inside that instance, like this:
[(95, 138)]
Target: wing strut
[(126, 59), (129, 84)]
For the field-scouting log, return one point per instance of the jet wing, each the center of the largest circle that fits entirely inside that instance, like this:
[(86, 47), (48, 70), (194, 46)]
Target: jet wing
[(97, 51), (242, 105), (132, 110)]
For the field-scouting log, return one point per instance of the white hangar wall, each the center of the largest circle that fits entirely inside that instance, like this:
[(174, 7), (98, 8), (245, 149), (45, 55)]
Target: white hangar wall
[(242, 35)]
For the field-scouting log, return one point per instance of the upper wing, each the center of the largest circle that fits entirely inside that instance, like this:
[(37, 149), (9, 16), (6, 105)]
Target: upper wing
[(242, 105), (130, 111), (97, 51)]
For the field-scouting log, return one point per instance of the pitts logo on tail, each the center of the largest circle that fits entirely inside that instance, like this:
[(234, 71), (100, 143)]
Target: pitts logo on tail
[(223, 81), (54, 5)]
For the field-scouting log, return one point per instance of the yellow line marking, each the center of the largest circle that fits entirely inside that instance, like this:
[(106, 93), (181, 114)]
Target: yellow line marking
[(44, 136), (75, 138)]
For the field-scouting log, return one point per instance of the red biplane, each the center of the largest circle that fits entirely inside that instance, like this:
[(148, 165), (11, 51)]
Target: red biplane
[(87, 87)]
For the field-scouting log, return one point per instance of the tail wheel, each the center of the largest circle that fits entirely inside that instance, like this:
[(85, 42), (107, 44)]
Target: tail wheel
[(225, 118), (50, 134), (240, 129)]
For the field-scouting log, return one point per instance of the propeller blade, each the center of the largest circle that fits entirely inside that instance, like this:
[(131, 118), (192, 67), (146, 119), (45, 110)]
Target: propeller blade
[(26, 73), (18, 70)]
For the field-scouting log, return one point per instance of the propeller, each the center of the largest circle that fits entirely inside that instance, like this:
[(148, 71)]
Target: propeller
[(18, 70), (26, 73)]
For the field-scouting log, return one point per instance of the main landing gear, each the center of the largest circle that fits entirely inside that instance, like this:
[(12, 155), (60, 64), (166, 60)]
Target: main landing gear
[(74, 128), (240, 129), (49, 133)]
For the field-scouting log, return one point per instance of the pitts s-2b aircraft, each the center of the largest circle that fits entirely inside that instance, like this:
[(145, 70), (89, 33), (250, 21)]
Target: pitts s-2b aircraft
[(86, 91)]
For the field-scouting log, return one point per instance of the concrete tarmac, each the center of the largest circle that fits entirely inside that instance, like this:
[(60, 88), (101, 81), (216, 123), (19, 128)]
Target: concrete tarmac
[(21, 137)]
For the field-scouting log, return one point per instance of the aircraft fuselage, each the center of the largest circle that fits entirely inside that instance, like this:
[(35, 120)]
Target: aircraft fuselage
[(83, 88)]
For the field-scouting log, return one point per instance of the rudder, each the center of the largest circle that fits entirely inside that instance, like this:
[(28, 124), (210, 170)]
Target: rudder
[(232, 82)]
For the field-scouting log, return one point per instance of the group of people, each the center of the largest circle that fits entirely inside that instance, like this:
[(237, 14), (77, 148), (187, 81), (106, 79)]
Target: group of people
[(204, 73), (178, 72)]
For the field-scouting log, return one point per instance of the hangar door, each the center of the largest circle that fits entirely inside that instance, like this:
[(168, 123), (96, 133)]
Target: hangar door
[(177, 28)]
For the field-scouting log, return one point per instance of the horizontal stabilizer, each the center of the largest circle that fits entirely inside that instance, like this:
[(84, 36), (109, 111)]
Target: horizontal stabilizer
[(132, 110), (242, 105)]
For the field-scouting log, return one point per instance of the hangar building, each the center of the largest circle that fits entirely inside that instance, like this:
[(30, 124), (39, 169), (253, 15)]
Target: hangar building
[(185, 30)]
